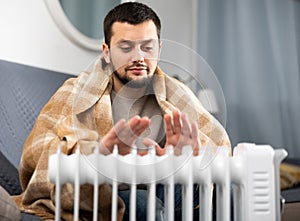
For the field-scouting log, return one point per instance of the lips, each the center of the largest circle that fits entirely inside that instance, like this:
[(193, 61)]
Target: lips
[(137, 69)]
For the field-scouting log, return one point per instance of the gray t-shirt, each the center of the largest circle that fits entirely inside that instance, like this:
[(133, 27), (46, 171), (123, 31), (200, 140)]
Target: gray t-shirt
[(124, 107)]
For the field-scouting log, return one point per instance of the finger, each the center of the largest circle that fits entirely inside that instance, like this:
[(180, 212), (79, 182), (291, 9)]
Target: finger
[(177, 150), (124, 150), (195, 131), (104, 148), (144, 123), (119, 126), (122, 134), (149, 142), (195, 139), (128, 132), (132, 130), (143, 153), (196, 151), (123, 129), (168, 125), (111, 138), (133, 122), (176, 122), (185, 130)]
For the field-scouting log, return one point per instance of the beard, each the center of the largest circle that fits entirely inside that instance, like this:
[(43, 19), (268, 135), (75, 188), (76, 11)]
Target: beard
[(131, 82)]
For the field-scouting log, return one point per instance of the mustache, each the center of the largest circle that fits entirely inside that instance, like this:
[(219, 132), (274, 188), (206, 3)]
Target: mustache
[(138, 65)]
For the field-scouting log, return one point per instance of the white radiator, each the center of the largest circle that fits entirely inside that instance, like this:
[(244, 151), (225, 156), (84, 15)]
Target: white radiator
[(253, 171)]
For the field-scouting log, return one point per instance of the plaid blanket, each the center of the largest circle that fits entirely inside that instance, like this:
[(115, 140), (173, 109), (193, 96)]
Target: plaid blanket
[(80, 112)]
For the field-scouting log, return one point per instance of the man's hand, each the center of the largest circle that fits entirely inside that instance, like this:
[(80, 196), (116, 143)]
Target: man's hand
[(124, 134), (178, 134)]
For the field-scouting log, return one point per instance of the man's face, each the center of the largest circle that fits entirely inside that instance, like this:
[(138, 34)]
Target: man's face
[(133, 52)]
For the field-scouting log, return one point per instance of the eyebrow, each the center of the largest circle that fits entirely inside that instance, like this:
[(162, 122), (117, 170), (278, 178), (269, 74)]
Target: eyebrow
[(124, 41)]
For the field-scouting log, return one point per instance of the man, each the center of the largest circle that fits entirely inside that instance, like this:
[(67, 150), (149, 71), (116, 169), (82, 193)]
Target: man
[(126, 86)]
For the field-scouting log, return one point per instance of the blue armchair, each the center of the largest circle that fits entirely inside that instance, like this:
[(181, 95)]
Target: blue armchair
[(23, 92)]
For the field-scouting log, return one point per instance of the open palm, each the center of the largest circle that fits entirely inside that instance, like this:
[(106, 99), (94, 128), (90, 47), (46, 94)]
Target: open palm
[(178, 134)]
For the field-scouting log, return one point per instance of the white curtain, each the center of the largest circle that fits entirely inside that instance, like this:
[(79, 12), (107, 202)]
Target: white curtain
[(254, 47)]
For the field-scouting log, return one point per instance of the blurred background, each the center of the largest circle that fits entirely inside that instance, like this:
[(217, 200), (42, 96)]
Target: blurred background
[(251, 46)]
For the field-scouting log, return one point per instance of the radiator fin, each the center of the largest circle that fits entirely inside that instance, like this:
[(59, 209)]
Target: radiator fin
[(251, 175)]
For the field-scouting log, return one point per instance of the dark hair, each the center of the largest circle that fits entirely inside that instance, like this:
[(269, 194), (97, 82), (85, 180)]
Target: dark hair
[(132, 12)]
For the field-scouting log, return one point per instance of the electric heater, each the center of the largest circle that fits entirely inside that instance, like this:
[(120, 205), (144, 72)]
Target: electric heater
[(248, 180)]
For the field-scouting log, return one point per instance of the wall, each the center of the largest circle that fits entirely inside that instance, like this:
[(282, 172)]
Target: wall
[(30, 36), (179, 31)]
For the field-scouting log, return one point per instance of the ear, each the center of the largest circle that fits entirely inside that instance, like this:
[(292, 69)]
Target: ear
[(105, 51)]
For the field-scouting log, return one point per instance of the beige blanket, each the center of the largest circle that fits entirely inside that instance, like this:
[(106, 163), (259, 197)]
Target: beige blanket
[(80, 113), (289, 175)]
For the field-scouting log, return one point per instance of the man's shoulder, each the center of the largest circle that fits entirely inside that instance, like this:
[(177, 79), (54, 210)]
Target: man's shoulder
[(81, 77), (171, 81), (178, 86), (72, 85), (66, 93)]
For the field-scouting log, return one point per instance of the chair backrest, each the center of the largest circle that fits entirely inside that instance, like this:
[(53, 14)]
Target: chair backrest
[(24, 90)]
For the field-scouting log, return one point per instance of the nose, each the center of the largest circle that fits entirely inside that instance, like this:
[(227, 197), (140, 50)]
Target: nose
[(137, 55)]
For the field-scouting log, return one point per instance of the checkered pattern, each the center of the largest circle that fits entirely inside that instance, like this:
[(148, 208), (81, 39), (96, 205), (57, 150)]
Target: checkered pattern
[(80, 112)]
